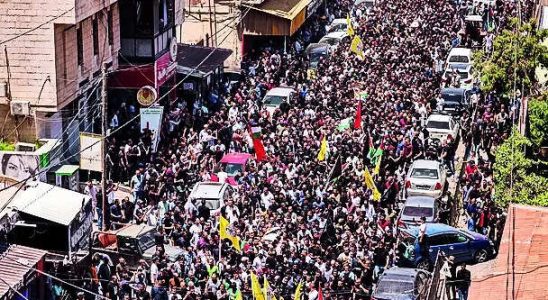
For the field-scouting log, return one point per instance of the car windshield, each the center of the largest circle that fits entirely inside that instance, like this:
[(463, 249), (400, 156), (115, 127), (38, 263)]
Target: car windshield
[(232, 169), (330, 41), (438, 125), (452, 98), (459, 59), (146, 241), (395, 286), (316, 56), (338, 27), (271, 100), (424, 173), (414, 211)]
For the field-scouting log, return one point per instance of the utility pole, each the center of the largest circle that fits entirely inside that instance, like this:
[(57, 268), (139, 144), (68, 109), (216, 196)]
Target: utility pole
[(210, 25), (104, 144), (215, 22)]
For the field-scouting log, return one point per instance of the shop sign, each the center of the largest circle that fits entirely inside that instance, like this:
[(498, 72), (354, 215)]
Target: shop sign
[(165, 66), (147, 95), (312, 7)]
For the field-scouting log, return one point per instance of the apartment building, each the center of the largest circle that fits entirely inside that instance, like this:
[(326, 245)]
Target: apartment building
[(50, 66)]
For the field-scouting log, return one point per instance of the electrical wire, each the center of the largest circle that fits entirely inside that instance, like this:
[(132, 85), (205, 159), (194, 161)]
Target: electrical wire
[(37, 27), (132, 119), (13, 289)]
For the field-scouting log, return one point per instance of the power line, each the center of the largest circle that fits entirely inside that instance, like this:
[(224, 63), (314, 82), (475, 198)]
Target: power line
[(37, 27)]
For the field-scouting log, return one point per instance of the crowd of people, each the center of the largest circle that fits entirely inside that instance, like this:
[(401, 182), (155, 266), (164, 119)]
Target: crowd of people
[(325, 234)]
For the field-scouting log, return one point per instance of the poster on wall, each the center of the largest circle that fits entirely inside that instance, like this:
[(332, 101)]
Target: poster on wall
[(19, 166), (90, 155), (151, 119)]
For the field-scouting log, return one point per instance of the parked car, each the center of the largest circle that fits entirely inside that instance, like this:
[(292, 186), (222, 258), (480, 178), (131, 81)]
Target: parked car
[(338, 25), (131, 242), (402, 284), (315, 52), (455, 100), (231, 164), (465, 72), (426, 178), (277, 97), (416, 207), (214, 194), (334, 38), (465, 246), (459, 56), (439, 126)]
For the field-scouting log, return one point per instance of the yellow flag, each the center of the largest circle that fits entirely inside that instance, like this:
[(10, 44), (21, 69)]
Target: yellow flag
[(349, 28), (238, 295), (357, 46), (265, 287), (298, 291), (235, 242), (371, 185), (256, 288), (324, 148), (377, 166), (223, 225)]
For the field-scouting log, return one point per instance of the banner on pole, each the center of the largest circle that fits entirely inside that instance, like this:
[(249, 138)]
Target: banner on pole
[(151, 119), (90, 155)]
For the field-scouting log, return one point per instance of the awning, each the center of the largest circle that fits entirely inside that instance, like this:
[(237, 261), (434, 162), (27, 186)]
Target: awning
[(276, 17), (16, 267), (190, 57), (67, 170), (49, 202)]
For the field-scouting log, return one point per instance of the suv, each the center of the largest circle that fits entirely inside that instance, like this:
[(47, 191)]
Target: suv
[(465, 246), (131, 242), (214, 194), (426, 178), (454, 100), (402, 283)]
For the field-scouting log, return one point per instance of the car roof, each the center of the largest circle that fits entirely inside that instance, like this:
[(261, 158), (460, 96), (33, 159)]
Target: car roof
[(431, 229), (208, 190), (453, 91), (439, 117), (317, 46), (425, 163), (280, 91), (460, 51), (237, 158), (336, 34), (422, 201), (473, 18), (401, 271), (339, 21), (134, 230)]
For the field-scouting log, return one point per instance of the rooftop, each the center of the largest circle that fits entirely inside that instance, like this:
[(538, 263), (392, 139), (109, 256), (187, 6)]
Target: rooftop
[(16, 262), (190, 57), (521, 266)]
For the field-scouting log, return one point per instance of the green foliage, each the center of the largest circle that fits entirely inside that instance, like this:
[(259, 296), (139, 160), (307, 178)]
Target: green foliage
[(538, 120), (511, 165), (6, 146), (516, 55)]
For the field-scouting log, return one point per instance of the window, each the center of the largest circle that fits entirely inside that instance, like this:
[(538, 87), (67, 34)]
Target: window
[(144, 12), (456, 239), (109, 24), (95, 35), (80, 46), (437, 240)]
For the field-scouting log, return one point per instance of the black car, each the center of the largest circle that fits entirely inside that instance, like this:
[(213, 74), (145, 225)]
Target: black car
[(315, 52), (454, 100)]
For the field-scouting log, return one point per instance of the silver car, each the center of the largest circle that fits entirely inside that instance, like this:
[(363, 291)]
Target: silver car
[(426, 178), (419, 206)]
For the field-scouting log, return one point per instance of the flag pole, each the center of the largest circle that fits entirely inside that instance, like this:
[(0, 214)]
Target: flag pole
[(331, 173), (220, 241)]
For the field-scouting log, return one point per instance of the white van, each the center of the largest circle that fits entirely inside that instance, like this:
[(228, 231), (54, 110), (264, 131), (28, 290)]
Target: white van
[(214, 193), (460, 56)]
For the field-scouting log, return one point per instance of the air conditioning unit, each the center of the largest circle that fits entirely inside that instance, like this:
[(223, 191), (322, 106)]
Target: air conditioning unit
[(25, 147), (20, 108)]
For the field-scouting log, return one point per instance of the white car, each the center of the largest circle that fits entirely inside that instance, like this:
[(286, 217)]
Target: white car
[(334, 38), (462, 56), (214, 194), (426, 178), (440, 126), (465, 72), (276, 96), (338, 25)]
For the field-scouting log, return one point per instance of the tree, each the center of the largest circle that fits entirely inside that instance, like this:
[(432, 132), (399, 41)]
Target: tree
[(538, 120), (515, 179), (516, 55)]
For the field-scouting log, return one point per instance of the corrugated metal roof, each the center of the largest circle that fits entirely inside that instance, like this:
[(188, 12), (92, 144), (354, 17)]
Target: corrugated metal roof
[(49, 202), (134, 230), (521, 264), (287, 9), (16, 262)]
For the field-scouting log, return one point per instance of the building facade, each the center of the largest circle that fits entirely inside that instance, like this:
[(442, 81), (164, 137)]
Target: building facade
[(50, 66)]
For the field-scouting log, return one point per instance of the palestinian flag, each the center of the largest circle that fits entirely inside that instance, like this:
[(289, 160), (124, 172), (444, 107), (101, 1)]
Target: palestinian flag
[(258, 146)]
